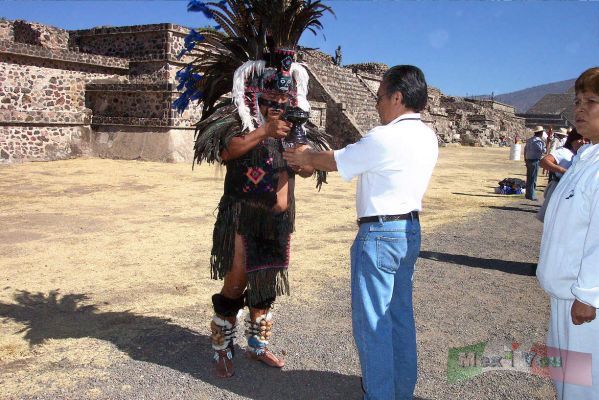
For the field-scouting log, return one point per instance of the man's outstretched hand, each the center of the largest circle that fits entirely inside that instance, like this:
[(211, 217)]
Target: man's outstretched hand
[(298, 156)]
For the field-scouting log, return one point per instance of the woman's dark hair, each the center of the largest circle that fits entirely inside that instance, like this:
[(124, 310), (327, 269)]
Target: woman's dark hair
[(588, 81), (409, 81), (572, 137)]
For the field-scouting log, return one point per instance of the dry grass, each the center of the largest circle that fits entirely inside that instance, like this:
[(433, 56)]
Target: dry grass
[(137, 235)]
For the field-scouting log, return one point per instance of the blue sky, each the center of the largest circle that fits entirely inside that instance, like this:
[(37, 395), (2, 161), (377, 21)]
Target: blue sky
[(463, 47)]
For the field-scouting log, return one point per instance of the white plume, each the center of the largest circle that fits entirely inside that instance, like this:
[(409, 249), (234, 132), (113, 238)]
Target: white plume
[(240, 77), (300, 75)]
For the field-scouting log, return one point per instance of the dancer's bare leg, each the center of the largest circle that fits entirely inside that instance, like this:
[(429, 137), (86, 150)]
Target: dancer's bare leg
[(236, 279), (230, 301)]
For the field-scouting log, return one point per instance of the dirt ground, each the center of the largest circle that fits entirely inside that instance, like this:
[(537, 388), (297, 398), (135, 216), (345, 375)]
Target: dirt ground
[(105, 281)]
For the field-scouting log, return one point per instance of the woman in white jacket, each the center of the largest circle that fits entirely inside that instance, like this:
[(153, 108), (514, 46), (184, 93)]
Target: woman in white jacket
[(568, 267)]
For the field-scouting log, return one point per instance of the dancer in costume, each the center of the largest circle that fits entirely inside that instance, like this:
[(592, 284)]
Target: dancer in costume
[(254, 60)]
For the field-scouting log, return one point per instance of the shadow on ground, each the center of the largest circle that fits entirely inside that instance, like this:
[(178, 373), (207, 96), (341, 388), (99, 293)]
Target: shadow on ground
[(506, 208), (486, 195), (511, 267), (531, 204), (157, 340)]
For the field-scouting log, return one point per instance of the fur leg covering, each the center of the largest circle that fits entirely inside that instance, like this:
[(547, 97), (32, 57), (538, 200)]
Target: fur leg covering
[(258, 332), (227, 307), (222, 337)]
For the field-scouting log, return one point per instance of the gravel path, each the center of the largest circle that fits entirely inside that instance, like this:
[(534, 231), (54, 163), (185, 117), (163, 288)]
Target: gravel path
[(474, 282)]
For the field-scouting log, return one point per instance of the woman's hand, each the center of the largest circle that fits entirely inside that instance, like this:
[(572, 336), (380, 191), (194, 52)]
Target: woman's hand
[(582, 313)]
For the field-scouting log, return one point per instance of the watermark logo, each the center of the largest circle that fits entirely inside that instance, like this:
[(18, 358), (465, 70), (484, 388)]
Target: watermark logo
[(466, 362)]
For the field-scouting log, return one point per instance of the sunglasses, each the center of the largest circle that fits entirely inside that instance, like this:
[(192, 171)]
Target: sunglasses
[(275, 105)]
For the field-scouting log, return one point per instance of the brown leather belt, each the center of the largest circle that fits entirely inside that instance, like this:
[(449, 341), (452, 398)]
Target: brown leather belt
[(387, 218)]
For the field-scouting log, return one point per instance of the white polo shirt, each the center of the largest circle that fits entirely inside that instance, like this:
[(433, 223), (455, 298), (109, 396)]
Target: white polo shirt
[(393, 163)]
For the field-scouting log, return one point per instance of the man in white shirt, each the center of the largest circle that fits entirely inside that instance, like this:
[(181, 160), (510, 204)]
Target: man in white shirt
[(394, 163), (559, 139)]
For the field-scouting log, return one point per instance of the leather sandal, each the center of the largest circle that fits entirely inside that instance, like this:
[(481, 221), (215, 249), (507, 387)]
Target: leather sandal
[(267, 357), (223, 361)]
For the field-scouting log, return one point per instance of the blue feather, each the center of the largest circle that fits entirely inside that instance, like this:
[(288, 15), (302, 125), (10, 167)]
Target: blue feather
[(183, 74), (188, 80), (190, 42), (199, 6), (181, 103), (191, 81), (197, 95)]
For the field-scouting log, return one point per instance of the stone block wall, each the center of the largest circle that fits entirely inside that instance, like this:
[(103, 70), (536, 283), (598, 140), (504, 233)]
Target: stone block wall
[(141, 42), (344, 92), (42, 94), (40, 35), (149, 72), (373, 68), (337, 122), (26, 54), (92, 91), (468, 122), (6, 30), (151, 49), (318, 114), (370, 80), (176, 41), (41, 88), (313, 56), (190, 116), (128, 100), (495, 105), (23, 142), (42, 112)]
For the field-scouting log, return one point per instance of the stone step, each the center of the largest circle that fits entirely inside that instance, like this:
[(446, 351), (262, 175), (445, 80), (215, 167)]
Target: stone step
[(352, 92)]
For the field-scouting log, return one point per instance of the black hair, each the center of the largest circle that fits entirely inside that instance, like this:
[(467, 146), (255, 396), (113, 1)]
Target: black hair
[(409, 81), (572, 137)]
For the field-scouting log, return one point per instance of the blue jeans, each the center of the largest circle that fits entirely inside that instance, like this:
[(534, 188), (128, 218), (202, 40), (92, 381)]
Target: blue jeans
[(382, 266), (532, 171)]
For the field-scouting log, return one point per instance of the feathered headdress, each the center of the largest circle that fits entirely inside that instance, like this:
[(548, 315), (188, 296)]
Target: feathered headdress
[(250, 51)]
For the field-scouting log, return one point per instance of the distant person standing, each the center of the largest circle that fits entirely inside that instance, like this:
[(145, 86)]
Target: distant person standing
[(533, 152), (338, 56), (559, 140)]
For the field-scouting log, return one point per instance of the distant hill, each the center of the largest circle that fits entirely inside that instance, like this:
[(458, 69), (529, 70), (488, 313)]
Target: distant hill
[(526, 98)]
